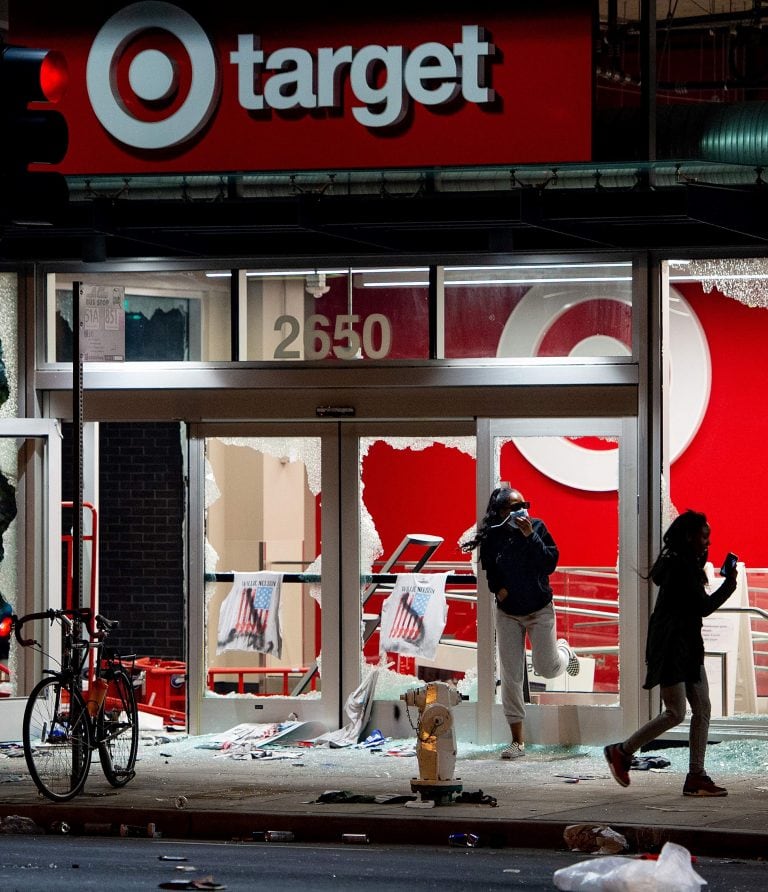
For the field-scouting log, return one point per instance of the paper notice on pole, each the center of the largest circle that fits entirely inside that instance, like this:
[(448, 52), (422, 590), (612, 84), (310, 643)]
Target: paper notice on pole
[(102, 323)]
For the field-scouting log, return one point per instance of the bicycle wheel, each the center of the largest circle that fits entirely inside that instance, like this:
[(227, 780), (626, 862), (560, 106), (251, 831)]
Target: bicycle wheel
[(117, 730), (57, 738)]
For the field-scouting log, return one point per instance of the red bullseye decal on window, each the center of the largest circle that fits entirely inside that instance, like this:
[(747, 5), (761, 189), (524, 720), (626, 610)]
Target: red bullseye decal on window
[(152, 76), (577, 321)]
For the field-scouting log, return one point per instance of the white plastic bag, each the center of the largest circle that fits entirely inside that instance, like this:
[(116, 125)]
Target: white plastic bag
[(672, 872)]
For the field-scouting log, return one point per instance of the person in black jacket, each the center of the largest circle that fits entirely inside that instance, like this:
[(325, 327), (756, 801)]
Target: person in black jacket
[(675, 650), (518, 554)]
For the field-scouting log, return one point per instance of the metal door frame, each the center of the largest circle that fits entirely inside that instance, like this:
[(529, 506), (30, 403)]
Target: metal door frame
[(585, 724), (39, 536), (206, 714)]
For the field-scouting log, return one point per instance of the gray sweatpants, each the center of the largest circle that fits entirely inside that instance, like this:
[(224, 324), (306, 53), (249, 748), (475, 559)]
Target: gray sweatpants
[(548, 659)]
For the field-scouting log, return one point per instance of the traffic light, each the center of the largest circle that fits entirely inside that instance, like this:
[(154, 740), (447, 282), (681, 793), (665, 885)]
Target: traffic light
[(31, 135), (6, 627)]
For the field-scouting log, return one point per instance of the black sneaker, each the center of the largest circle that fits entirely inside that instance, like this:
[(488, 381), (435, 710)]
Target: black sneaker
[(619, 763), (702, 785)]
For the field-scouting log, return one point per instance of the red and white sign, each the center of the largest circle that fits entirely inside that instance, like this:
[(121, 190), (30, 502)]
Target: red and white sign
[(157, 88)]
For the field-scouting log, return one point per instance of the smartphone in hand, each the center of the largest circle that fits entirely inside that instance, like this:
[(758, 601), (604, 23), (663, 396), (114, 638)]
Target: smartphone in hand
[(729, 564)]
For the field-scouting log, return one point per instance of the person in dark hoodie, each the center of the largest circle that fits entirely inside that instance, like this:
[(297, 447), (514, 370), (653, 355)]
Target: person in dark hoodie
[(675, 649), (518, 554)]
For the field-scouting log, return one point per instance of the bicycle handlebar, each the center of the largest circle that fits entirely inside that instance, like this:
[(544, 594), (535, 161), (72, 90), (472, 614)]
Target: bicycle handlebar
[(83, 614)]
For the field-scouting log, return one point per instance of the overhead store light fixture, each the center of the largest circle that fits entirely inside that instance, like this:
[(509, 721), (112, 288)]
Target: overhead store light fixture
[(519, 274), (462, 276), (278, 273)]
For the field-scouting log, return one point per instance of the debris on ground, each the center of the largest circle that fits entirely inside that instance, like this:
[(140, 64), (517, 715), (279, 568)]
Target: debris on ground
[(594, 838), (19, 824), (646, 763), (347, 796), (203, 883), (478, 798)]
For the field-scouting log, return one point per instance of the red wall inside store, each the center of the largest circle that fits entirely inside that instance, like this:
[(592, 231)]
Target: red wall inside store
[(722, 472)]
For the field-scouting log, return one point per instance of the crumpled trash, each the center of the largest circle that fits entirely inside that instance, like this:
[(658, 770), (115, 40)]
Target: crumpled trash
[(479, 797), (375, 738), (672, 872), (202, 883), (595, 838), (19, 824), (344, 796)]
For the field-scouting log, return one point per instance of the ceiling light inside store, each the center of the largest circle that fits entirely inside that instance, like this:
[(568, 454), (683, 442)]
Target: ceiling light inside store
[(315, 285), (744, 279)]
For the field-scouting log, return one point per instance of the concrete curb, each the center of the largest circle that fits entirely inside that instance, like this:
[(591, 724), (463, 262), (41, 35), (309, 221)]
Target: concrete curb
[(423, 829)]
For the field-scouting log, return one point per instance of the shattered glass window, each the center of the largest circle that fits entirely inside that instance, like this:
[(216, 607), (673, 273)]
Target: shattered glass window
[(176, 317)]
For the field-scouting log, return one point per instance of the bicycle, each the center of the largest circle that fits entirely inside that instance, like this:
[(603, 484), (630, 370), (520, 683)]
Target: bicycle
[(63, 726)]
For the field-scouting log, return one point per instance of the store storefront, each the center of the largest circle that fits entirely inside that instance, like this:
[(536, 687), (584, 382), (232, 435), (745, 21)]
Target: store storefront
[(342, 413)]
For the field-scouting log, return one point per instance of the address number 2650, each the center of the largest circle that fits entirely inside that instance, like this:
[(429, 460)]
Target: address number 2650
[(322, 338)]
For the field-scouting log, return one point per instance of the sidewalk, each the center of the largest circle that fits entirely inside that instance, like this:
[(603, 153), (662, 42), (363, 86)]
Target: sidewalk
[(190, 791)]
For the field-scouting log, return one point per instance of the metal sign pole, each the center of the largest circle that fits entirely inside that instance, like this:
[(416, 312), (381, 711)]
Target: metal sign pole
[(77, 448)]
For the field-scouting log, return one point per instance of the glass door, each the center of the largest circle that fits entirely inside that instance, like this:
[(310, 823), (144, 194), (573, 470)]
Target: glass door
[(263, 496), (580, 477), (335, 511), (414, 485)]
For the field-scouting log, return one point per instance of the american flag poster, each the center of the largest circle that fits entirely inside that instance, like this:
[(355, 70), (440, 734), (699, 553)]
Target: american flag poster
[(413, 616), (249, 618)]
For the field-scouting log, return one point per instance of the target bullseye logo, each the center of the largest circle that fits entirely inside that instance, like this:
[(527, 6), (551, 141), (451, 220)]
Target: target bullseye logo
[(563, 321), (160, 101)]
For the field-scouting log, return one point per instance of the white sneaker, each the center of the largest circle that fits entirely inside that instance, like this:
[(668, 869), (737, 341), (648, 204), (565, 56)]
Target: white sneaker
[(574, 667), (513, 751)]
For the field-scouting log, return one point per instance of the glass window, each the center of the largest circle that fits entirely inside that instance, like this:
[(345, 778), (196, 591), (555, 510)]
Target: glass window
[(262, 510), (377, 314), (181, 316), (338, 314), (717, 331), (577, 309), (9, 474), (407, 544), (479, 312), (9, 370)]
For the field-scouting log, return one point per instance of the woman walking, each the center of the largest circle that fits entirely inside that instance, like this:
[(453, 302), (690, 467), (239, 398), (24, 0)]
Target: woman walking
[(675, 650)]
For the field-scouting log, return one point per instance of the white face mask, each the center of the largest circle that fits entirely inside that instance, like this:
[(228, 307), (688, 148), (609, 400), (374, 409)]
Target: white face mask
[(510, 518)]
